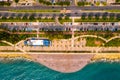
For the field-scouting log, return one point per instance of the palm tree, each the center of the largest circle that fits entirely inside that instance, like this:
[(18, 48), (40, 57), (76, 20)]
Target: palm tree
[(40, 16), (19, 15), (118, 16), (0, 14), (16, 1), (97, 16), (111, 16), (54, 15), (90, 16), (32, 17), (83, 16), (104, 17)]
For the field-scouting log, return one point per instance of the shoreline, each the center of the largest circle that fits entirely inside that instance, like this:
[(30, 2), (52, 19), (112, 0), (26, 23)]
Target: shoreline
[(15, 56), (63, 62)]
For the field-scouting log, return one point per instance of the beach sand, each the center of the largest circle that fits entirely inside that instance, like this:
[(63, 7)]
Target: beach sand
[(15, 55), (65, 63)]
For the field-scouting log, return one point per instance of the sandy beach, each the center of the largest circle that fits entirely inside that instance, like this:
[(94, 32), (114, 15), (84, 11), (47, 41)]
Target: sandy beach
[(14, 55), (63, 62)]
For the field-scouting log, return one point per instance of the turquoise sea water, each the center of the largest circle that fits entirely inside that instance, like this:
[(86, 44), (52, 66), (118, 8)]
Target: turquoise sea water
[(26, 70)]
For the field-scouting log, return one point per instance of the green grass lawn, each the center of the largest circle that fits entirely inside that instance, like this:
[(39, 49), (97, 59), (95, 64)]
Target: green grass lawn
[(94, 20), (27, 20), (113, 43), (94, 42), (55, 35), (14, 38), (65, 20), (3, 44), (115, 10)]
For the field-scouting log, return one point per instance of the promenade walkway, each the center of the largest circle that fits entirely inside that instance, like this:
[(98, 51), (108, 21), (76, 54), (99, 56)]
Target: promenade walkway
[(65, 45), (16, 47)]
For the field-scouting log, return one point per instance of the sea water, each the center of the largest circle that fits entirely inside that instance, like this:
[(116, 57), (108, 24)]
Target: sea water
[(28, 70)]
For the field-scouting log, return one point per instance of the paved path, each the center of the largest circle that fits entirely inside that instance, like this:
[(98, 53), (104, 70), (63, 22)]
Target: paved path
[(64, 45), (83, 36), (16, 47), (106, 40)]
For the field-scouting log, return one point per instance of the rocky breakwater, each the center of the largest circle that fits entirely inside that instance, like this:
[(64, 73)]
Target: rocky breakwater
[(112, 57), (63, 62)]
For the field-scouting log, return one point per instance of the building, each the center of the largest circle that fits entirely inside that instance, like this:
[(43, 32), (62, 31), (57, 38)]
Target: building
[(37, 42)]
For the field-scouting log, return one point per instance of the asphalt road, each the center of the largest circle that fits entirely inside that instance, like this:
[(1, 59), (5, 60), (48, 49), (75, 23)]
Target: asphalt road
[(13, 14), (59, 7)]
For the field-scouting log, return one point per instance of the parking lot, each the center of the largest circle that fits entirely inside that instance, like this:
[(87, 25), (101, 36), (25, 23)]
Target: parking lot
[(52, 26)]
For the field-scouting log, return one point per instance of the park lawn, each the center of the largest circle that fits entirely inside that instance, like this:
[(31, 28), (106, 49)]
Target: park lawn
[(27, 20), (55, 35), (65, 20), (113, 43), (4, 44), (94, 20), (14, 38), (107, 35), (115, 10), (94, 42)]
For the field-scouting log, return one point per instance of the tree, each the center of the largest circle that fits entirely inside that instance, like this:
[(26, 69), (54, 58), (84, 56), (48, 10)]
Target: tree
[(117, 1), (11, 18), (2, 3), (118, 16), (81, 3), (97, 17), (41, 1), (104, 3), (16, 1), (112, 16), (60, 18), (66, 17), (89, 17), (48, 3), (4, 18), (32, 17), (24, 17), (67, 3), (60, 3), (97, 3), (83, 17), (104, 17)]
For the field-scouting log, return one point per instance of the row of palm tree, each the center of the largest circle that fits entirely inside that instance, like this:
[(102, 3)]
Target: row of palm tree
[(58, 3), (26, 17), (33, 16), (3, 3), (105, 16)]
